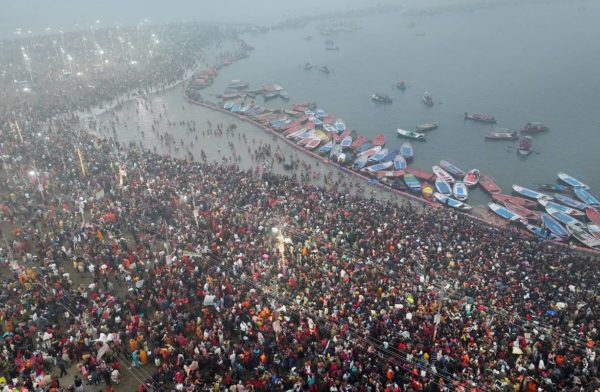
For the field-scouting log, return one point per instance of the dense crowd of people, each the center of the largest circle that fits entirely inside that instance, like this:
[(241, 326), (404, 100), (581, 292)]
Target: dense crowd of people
[(189, 276)]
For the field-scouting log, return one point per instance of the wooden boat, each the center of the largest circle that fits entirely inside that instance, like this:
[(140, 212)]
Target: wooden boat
[(399, 162), (296, 133), (326, 148), (421, 174), (502, 135), (410, 134), (586, 197), (359, 141), (313, 143), (530, 193), (563, 218), (593, 215), (346, 133), (571, 181), (450, 202), (525, 146), (452, 169), (553, 188), (559, 207), (568, 201), (594, 230), (269, 96), (524, 212), (480, 117), (390, 173), (581, 235), (284, 95), (339, 125), (439, 172), (406, 150), (505, 213), (541, 233), (360, 162), (443, 187), (556, 228), (391, 156), (488, 184), (501, 198), (427, 126), (411, 181), (304, 141), (534, 127), (472, 177), (370, 151), (379, 155), (363, 147), (346, 142), (379, 167), (459, 190), (379, 140), (427, 99)]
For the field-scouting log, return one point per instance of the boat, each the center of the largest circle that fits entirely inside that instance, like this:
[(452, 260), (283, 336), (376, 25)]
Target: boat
[(459, 190), (586, 197), (358, 141), (363, 147), (313, 143), (427, 126), (559, 207), (571, 181), (421, 174), (336, 151), (325, 148), (360, 162), (472, 177), (593, 215), (564, 218), (541, 233), (379, 155), (530, 193), (238, 84), (308, 66), (534, 127), (381, 98), (480, 117), (284, 95), (307, 139), (324, 69), (391, 156), (439, 172), (568, 201), (379, 167), (346, 142), (581, 235), (594, 230), (228, 105), (450, 202), (379, 140), (501, 198), (401, 85), (505, 213), (399, 162), (488, 184), (427, 100), (553, 188), (412, 182), (525, 146), (370, 151), (443, 187), (390, 173), (269, 96), (452, 169), (502, 135), (524, 212), (406, 150), (339, 125), (296, 133), (410, 134), (548, 222)]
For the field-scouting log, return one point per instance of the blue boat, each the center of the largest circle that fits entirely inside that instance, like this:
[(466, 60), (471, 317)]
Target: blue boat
[(377, 157), (379, 166), (586, 197), (399, 162), (571, 181), (326, 148), (363, 147), (530, 193), (339, 125), (570, 201), (406, 150), (452, 169), (538, 231), (346, 142), (563, 218), (559, 207), (360, 162), (443, 187), (412, 182), (391, 156), (450, 202), (236, 108), (460, 191), (506, 213), (556, 228), (320, 113), (228, 105)]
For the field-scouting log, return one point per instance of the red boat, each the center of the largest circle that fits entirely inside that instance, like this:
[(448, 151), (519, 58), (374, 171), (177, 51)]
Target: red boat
[(389, 173), (421, 174), (593, 215), (481, 117), (488, 184), (501, 198), (534, 127), (359, 141), (524, 212), (379, 140)]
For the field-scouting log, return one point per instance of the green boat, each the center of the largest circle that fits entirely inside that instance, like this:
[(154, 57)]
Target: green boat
[(410, 134)]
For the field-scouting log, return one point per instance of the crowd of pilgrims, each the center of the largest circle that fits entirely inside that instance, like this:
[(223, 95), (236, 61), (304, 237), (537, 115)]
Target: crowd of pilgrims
[(185, 276)]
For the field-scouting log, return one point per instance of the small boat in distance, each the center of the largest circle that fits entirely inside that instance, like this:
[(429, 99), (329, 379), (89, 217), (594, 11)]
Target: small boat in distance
[(410, 134), (480, 117), (452, 169), (525, 146), (427, 99), (534, 127), (501, 134), (488, 184), (472, 177), (571, 181), (401, 85), (381, 98), (427, 126)]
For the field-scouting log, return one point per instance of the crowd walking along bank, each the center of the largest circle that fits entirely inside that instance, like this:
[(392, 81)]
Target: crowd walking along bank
[(126, 270)]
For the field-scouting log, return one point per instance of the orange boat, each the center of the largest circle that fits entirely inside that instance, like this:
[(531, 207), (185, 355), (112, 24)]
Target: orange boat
[(488, 184), (501, 198), (520, 210), (421, 174)]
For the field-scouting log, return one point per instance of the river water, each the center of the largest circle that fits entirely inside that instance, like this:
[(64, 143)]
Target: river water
[(521, 63)]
